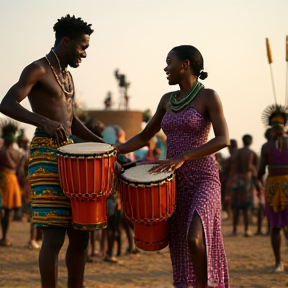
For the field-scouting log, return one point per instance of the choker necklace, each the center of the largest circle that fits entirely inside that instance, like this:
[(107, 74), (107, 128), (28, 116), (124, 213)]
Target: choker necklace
[(68, 92), (176, 106)]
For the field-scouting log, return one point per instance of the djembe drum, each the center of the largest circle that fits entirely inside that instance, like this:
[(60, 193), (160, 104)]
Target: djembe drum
[(86, 173), (148, 200)]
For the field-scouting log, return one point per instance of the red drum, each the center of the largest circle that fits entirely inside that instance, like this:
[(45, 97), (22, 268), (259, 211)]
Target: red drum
[(148, 200), (86, 173)]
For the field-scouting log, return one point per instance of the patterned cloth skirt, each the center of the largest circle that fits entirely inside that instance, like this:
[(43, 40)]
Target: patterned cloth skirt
[(50, 207)]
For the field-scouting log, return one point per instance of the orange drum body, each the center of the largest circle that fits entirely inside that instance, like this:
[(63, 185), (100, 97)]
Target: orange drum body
[(148, 205), (86, 173)]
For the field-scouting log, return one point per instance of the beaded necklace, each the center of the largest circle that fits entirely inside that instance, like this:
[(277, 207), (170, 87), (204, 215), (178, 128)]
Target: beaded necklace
[(64, 71), (176, 106), (68, 92)]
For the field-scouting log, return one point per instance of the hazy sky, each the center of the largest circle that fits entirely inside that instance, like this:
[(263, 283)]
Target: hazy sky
[(135, 36)]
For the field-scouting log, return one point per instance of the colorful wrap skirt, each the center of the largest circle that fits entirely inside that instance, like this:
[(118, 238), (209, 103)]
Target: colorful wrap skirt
[(242, 191), (276, 192), (9, 189), (50, 207)]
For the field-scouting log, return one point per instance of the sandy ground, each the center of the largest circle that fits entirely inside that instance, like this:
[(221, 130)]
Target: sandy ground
[(250, 264)]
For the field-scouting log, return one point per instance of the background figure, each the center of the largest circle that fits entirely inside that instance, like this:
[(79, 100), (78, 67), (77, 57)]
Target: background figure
[(35, 233), (246, 162), (227, 173), (115, 135), (261, 195), (10, 159), (274, 154)]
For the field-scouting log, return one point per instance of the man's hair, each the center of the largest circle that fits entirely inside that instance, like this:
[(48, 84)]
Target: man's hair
[(71, 27), (233, 143), (247, 139)]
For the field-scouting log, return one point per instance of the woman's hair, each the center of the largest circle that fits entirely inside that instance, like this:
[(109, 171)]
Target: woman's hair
[(71, 27), (194, 56)]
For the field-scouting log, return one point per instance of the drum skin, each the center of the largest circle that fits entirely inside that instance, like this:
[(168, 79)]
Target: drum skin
[(88, 181), (149, 207)]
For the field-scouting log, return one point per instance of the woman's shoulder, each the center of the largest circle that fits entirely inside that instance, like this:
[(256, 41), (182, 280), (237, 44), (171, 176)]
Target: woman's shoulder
[(211, 96), (210, 92), (165, 99)]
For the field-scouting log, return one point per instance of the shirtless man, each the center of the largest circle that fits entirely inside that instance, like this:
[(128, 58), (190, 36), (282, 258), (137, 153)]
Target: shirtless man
[(50, 90), (10, 159), (245, 165)]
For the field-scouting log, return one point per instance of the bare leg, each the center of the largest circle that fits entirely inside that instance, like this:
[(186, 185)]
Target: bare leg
[(246, 214), (48, 257), (127, 227), (235, 220), (76, 257), (5, 224), (260, 216), (92, 242), (276, 244), (196, 243), (103, 241), (111, 233)]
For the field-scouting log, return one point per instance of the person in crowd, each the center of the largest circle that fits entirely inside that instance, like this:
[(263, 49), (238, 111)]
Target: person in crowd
[(50, 89), (10, 159), (196, 244), (261, 195), (35, 233), (245, 169), (274, 155), (115, 217)]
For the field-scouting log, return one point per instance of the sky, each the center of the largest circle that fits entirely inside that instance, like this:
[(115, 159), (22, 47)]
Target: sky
[(135, 37)]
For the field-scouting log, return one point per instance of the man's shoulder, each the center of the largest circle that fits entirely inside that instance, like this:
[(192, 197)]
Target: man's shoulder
[(36, 66)]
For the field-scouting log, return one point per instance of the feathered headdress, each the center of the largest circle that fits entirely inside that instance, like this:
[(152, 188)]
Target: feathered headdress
[(275, 115)]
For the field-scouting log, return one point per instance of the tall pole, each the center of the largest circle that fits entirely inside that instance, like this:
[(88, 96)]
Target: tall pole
[(286, 92), (270, 61)]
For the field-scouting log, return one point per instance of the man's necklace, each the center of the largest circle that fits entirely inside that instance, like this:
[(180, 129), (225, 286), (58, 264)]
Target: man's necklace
[(68, 91), (176, 106)]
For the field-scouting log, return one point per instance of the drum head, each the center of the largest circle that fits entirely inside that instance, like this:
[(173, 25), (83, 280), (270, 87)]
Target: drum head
[(86, 148), (140, 174)]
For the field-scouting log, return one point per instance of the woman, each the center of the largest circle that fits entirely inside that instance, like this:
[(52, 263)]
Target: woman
[(196, 244)]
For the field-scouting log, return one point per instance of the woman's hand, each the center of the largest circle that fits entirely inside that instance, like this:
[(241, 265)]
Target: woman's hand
[(168, 165)]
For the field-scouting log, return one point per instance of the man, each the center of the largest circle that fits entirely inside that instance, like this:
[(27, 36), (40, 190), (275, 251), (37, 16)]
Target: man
[(227, 172), (10, 159), (245, 163), (274, 154), (50, 90)]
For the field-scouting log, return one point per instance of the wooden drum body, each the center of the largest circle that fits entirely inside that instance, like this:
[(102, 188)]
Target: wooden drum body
[(86, 173), (148, 205)]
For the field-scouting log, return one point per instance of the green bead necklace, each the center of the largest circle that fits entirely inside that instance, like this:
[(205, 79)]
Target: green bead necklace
[(176, 106)]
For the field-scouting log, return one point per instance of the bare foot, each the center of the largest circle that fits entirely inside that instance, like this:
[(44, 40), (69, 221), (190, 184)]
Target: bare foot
[(5, 242)]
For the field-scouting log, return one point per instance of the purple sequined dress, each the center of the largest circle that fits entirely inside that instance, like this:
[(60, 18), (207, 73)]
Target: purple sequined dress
[(198, 190)]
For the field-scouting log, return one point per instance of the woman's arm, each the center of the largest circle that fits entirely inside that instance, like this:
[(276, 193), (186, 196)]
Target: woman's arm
[(153, 126)]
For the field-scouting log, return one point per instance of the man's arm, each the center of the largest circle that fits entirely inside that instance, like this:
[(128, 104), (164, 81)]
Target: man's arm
[(11, 106)]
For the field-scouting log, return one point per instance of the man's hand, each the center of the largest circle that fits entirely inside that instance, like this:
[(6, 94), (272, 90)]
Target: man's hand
[(56, 130)]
